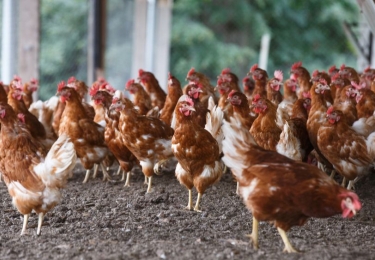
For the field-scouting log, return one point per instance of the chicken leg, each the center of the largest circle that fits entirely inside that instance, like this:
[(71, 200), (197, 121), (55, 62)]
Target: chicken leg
[(190, 203), (149, 184), (87, 176), (127, 182), (40, 223), (96, 167), (196, 208), (24, 226), (254, 233), (288, 247), (119, 170), (146, 180), (105, 173)]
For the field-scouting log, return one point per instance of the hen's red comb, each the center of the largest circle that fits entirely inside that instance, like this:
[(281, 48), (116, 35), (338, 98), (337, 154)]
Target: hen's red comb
[(107, 87), (330, 110), (256, 98), (245, 79), (16, 78), (140, 72), (129, 83), (94, 89), (101, 80), (60, 86), (342, 67), (355, 84), (71, 80), (232, 93), (254, 67), (332, 69), (34, 81), (367, 69), (191, 71), (225, 71), (296, 65), (323, 81), (278, 74), (315, 73), (169, 75)]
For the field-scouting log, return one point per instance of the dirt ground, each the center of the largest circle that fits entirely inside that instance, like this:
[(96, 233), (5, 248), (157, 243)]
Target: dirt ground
[(100, 220)]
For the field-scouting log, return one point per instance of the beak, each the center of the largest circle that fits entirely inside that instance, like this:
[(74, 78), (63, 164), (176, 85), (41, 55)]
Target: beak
[(191, 108)]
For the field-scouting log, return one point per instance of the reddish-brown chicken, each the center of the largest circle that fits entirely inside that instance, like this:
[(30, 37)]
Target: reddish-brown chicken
[(203, 82), (174, 93), (248, 85), (86, 135), (264, 128), (112, 133), (302, 75), (34, 178), (273, 88), (148, 138), (153, 88), (280, 190), (349, 73), (196, 150), (349, 152), (260, 77), (141, 99), (28, 89)]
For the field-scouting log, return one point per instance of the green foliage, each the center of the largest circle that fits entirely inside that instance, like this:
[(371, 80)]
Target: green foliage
[(63, 50), (211, 35)]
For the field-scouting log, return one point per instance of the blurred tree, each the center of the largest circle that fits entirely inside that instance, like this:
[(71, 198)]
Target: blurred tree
[(63, 50), (211, 35)]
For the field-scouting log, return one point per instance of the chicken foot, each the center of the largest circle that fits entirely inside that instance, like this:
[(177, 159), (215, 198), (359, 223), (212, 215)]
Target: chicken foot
[(127, 182), (96, 167), (288, 247), (254, 233), (190, 203), (40, 223), (24, 226), (196, 208)]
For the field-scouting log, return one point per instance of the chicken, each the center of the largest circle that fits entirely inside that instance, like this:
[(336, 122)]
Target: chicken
[(203, 82), (28, 89), (196, 150), (260, 77), (273, 88), (346, 103), (349, 152), (82, 90), (148, 138), (248, 85), (332, 71), (337, 85), (112, 133), (153, 88), (365, 106), (302, 75), (86, 135), (201, 107), (174, 93), (317, 117), (100, 103), (280, 190), (349, 73), (264, 128), (241, 107), (294, 140), (34, 179), (15, 100), (141, 99), (316, 77), (284, 109)]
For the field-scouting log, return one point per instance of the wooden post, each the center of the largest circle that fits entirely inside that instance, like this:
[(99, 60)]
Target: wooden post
[(96, 40), (139, 37)]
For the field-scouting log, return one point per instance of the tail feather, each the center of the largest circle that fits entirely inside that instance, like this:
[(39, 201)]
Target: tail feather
[(214, 121), (58, 164)]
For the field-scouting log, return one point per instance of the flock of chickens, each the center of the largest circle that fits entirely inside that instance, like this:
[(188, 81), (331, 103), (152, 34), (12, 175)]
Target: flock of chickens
[(282, 147)]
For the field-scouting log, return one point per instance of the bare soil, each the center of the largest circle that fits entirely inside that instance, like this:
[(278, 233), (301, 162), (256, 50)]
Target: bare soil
[(104, 220)]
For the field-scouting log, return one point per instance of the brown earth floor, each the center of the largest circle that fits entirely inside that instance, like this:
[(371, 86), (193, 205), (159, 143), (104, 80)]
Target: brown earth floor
[(100, 220)]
